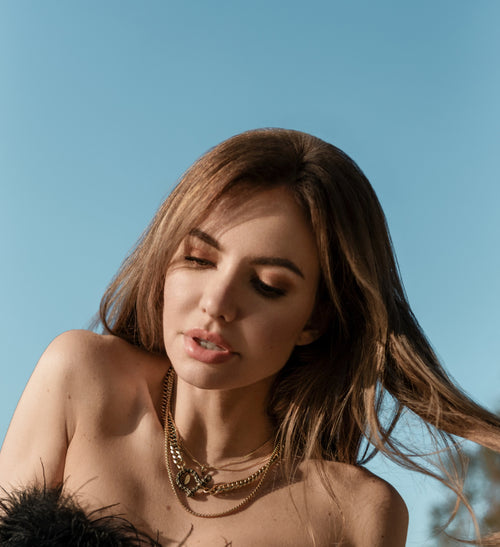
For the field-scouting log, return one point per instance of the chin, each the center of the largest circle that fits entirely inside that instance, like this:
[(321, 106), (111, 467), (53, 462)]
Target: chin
[(205, 376), (219, 377)]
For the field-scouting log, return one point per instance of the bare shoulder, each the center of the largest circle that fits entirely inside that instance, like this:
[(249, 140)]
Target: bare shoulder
[(79, 354), (377, 514), (99, 369), (373, 512), (74, 362), (82, 380), (43, 418), (70, 350), (75, 347)]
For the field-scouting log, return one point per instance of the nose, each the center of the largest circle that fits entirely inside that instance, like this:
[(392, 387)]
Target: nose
[(219, 299)]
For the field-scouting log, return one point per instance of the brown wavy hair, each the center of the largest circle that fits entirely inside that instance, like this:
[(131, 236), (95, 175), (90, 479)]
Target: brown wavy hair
[(341, 397)]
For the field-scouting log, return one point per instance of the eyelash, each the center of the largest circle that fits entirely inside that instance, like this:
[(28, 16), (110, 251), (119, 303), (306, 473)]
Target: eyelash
[(198, 261), (265, 290)]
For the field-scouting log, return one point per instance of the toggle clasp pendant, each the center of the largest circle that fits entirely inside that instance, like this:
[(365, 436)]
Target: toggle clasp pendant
[(185, 477)]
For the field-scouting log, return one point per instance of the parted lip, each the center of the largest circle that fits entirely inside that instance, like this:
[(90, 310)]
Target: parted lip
[(213, 337)]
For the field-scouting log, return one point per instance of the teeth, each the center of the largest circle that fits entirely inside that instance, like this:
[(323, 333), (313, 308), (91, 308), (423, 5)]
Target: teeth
[(208, 345)]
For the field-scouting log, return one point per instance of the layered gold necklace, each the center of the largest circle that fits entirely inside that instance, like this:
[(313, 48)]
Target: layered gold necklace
[(192, 482)]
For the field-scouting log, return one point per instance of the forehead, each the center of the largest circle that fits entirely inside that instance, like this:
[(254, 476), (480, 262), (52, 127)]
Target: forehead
[(259, 206)]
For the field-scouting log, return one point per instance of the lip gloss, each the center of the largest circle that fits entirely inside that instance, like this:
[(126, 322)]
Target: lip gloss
[(192, 345)]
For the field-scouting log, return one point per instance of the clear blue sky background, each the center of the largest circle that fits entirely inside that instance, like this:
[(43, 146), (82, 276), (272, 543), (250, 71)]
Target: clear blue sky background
[(104, 104)]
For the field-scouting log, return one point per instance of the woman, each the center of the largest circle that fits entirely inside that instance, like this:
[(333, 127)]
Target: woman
[(251, 337)]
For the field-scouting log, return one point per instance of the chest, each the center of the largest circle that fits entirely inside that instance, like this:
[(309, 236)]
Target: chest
[(128, 472)]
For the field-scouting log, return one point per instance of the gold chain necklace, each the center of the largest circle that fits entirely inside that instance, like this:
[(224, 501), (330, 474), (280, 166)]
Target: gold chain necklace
[(228, 466), (186, 476)]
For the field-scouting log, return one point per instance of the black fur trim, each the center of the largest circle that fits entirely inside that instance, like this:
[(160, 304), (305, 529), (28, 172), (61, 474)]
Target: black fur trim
[(44, 517)]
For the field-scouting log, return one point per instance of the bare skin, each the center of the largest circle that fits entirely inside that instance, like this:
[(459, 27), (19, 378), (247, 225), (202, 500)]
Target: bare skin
[(239, 295), (103, 397)]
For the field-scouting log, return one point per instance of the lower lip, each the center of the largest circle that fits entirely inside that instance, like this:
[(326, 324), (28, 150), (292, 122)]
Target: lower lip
[(194, 350)]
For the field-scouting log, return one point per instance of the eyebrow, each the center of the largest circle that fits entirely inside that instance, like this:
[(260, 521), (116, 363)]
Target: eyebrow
[(258, 260), (208, 239)]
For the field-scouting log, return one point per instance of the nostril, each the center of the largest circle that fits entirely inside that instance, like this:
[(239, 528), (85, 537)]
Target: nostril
[(219, 300), (221, 313)]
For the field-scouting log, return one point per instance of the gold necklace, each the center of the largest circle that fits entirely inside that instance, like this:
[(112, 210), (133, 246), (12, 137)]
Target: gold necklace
[(228, 466), (185, 476), (165, 407)]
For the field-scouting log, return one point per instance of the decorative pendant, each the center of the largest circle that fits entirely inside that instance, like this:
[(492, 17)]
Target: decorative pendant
[(187, 477)]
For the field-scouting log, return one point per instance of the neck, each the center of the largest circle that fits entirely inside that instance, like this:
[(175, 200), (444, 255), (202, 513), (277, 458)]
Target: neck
[(218, 426)]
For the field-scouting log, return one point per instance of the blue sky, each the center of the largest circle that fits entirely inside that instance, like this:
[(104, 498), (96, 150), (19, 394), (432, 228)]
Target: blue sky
[(104, 104)]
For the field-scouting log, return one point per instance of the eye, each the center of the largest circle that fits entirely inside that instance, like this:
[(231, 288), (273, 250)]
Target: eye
[(197, 261), (266, 290)]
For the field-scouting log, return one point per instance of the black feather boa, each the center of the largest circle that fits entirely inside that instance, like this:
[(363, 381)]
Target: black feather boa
[(43, 517)]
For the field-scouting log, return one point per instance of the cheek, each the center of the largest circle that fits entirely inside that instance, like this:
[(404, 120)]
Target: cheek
[(178, 296), (279, 333), (177, 288)]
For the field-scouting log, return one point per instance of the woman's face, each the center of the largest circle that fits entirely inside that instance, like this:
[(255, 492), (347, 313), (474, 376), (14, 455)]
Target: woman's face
[(239, 292)]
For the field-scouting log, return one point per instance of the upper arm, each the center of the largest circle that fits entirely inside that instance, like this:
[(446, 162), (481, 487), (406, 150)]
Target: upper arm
[(35, 446)]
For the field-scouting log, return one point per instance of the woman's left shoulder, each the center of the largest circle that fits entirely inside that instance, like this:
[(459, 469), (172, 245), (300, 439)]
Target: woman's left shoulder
[(366, 485), (374, 513)]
